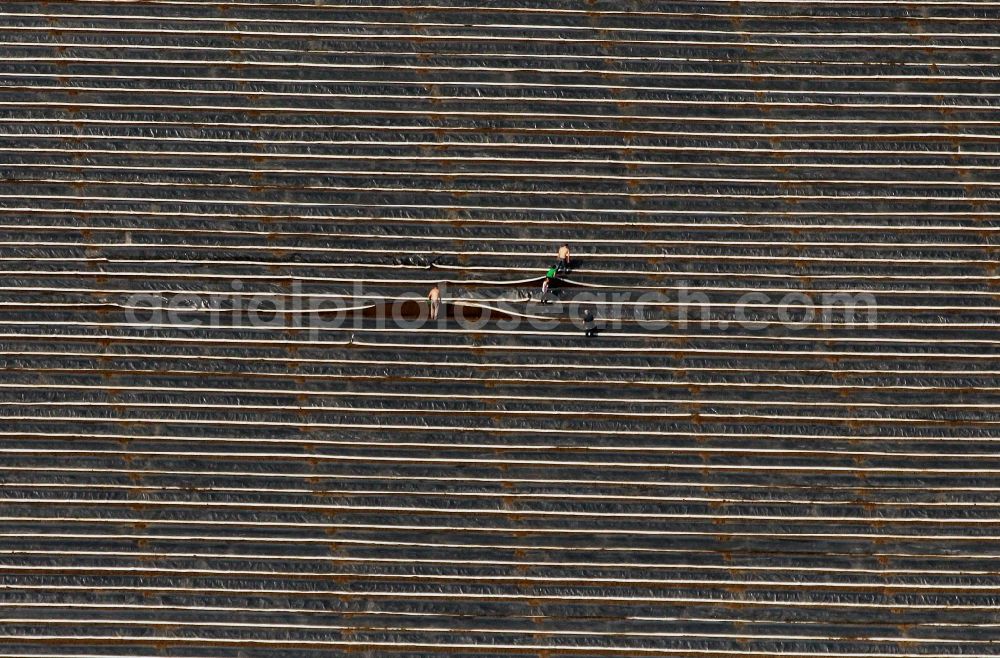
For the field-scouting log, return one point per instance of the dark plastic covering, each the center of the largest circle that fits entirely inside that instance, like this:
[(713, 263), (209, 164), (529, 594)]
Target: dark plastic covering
[(193, 490)]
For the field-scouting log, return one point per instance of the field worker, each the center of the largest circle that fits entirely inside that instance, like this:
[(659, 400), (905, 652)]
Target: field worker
[(549, 282), (563, 262), (434, 299), (589, 324)]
